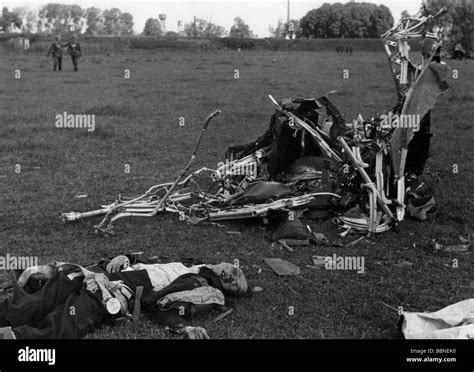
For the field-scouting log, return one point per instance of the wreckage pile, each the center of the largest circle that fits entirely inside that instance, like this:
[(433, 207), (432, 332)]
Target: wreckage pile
[(310, 161)]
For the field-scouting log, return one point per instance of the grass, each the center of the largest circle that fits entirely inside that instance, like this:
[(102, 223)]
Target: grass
[(137, 124)]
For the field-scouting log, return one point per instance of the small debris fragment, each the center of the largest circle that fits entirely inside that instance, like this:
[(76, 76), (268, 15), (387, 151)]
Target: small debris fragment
[(257, 289), (81, 196), (319, 262), (320, 239), (294, 242), (456, 248), (460, 248), (194, 220), (283, 244), (282, 267), (353, 243), (405, 264), (223, 315), (464, 240)]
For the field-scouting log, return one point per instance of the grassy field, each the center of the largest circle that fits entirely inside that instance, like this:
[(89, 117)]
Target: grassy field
[(137, 125)]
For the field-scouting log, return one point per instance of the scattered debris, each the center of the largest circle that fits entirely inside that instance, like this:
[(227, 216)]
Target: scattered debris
[(320, 239), (223, 315), (291, 289), (234, 232), (282, 267), (294, 242), (353, 243), (257, 289), (193, 220), (452, 322), (405, 264), (464, 240), (81, 196), (319, 262), (284, 245), (457, 248), (310, 158)]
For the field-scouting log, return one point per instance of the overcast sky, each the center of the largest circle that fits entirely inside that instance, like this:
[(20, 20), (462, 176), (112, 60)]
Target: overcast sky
[(258, 14)]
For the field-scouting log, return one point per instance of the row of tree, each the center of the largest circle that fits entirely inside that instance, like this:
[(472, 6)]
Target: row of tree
[(59, 18), (351, 20), (202, 28)]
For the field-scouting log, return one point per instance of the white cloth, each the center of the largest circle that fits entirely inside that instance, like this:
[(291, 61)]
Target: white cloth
[(454, 321), (161, 275)]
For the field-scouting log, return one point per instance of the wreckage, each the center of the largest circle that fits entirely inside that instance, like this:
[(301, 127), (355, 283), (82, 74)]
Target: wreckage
[(366, 171)]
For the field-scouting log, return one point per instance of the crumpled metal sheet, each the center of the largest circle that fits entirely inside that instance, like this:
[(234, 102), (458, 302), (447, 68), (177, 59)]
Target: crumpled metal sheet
[(421, 97), (452, 322)]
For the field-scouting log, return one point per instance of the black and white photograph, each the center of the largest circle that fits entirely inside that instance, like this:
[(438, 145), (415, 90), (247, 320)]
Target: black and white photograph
[(190, 173)]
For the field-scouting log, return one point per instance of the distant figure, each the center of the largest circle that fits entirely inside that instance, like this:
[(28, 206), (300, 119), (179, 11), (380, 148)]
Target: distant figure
[(57, 52), (74, 50), (459, 52)]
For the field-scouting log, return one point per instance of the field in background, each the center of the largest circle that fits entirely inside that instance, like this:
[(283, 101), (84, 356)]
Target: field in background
[(137, 123)]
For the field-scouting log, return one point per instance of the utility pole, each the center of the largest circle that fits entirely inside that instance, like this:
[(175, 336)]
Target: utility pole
[(289, 28)]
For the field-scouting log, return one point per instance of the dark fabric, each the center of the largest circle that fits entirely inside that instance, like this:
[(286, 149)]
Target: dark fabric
[(170, 319), (291, 229), (74, 51), (57, 62), (338, 127), (186, 282), (55, 50), (133, 279), (263, 192), (134, 258), (419, 148), (61, 309), (287, 145), (75, 61)]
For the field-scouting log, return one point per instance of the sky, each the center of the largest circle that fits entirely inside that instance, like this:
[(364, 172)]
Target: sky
[(259, 14)]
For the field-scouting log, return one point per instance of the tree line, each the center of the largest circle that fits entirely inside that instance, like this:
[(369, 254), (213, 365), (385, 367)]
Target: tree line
[(55, 18), (351, 20), (199, 27)]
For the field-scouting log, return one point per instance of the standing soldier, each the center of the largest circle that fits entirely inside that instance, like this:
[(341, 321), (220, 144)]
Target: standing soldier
[(57, 52), (74, 50)]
